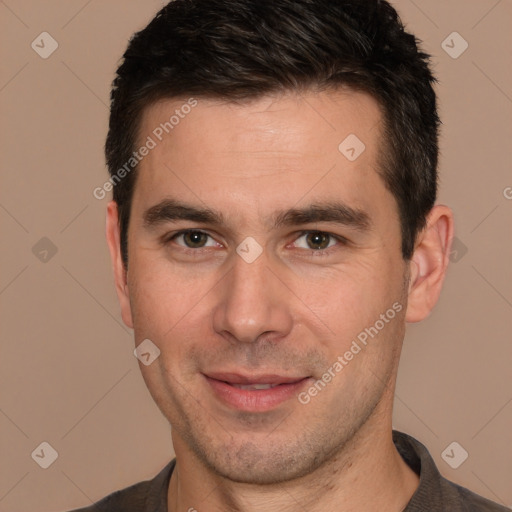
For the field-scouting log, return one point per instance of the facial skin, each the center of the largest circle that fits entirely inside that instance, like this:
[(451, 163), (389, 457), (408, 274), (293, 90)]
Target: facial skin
[(292, 312)]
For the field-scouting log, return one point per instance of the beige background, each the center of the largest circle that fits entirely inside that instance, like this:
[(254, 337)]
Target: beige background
[(68, 374)]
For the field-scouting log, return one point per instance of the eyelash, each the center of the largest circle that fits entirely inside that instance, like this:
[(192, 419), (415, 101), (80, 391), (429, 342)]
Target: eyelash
[(319, 253), (314, 252)]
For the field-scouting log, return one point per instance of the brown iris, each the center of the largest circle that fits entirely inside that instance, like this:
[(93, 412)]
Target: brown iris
[(318, 240), (195, 239)]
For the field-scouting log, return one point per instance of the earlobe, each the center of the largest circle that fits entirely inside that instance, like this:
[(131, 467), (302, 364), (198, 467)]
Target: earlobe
[(118, 267), (429, 263)]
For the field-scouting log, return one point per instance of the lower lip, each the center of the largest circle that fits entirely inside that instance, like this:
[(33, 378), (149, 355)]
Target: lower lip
[(257, 400)]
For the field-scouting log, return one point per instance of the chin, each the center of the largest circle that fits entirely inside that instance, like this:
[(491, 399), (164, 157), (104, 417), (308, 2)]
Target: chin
[(260, 464)]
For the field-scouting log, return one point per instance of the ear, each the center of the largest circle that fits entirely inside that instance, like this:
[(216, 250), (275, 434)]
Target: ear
[(120, 272), (429, 263)]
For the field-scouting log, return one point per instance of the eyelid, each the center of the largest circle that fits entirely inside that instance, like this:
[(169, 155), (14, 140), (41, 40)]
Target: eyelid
[(169, 237), (340, 239)]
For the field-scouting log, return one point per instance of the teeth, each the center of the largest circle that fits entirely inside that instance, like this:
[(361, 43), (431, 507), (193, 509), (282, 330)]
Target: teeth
[(254, 386)]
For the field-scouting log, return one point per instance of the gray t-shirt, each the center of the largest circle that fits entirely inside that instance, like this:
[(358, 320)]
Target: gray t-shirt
[(434, 493)]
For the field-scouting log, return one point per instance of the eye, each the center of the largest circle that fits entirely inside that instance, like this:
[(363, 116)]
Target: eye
[(193, 239), (316, 240)]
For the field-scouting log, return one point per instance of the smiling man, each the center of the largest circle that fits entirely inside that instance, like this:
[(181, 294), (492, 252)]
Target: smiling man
[(273, 230)]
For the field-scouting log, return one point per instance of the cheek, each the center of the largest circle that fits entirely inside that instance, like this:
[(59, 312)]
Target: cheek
[(343, 295), (158, 296), (170, 306), (348, 301)]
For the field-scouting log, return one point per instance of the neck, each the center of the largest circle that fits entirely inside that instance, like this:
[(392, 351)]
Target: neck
[(366, 474)]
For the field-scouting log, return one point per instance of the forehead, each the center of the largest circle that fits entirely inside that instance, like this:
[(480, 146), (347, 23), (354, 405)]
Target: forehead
[(277, 120), (274, 151)]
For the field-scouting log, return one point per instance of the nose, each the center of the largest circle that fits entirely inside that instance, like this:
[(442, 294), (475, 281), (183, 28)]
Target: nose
[(252, 301)]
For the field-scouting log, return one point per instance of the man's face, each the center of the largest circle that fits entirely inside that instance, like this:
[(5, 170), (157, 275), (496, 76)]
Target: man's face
[(330, 267)]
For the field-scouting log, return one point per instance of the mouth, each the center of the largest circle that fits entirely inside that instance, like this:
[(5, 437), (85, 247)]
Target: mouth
[(254, 386), (256, 393)]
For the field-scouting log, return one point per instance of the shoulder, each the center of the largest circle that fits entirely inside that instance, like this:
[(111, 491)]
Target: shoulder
[(467, 500), (435, 493), (130, 499), (149, 495)]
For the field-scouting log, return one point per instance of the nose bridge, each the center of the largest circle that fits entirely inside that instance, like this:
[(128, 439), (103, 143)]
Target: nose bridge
[(252, 302)]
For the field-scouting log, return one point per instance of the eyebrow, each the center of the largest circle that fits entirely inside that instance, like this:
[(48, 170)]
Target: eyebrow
[(336, 212), (169, 210)]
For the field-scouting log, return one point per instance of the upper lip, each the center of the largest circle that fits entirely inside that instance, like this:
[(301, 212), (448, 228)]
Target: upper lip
[(236, 378)]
